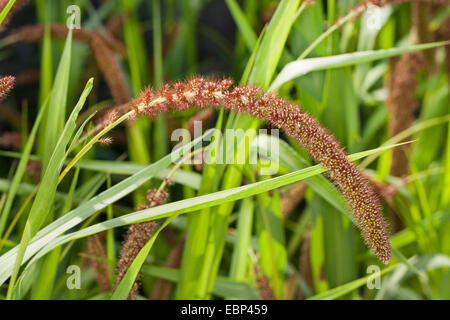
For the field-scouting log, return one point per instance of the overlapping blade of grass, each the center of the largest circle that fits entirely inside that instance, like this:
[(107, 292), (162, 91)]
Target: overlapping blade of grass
[(190, 11), (271, 240), (20, 170), (435, 104), (299, 230), (223, 287), (307, 28), (418, 127), (6, 10), (48, 239), (123, 289), (445, 198), (46, 284), (239, 259), (195, 250), (88, 208), (366, 41), (408, 236), (55, 119), (243, 24), (242, 47), (110, 242), (189, 275), (273, 43), (317, 253), (46, 77), (137, 59), (197, 233), (160, 140), (181, 58), (25, 189), (264, 66), (45, 277), (187, 178), (339, 242), (423, 263), (344, 289), (46, 193), (137, 132), (292, 160), (341, 110), (301, 67)]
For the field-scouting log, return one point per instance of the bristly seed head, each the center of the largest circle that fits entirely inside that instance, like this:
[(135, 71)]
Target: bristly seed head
[(6, 84), (157, 197), (322, 146), (106, 141), (137, 236)]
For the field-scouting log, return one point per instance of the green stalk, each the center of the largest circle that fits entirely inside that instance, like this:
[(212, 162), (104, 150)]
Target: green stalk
[(352, 15), (137, 132), (213, 239), (239, 259), (190, 16), (6, 10), (198, 230), (91, 142), (161, 138), (110, 243)]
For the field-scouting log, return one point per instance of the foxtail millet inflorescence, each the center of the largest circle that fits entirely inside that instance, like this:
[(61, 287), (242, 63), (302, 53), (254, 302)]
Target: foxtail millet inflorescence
[(6, 84), (97, 259), (402, 103), (263, 284), (323, 147), (137, 236)]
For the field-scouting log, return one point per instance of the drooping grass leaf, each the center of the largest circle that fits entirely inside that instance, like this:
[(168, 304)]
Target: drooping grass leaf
[(47, 236), (301, 67)]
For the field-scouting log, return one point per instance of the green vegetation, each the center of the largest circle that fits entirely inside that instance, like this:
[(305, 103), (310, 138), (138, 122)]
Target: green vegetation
[(99, 200)]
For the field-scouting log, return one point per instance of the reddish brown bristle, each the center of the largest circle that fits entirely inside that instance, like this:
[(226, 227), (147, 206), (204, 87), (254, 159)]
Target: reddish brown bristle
[(323, 147), (6, 84)]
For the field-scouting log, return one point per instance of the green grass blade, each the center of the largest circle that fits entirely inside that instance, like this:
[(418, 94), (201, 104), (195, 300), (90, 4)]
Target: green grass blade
[(349, 287), (299, 68), (240, 259), (292, 160), (223, 287), (6, 10), (187, 178), (47, 190), (57, 104), (124, 287), (167, 210), (273, 43), (243, 24), (88, 208), (20, 170)]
